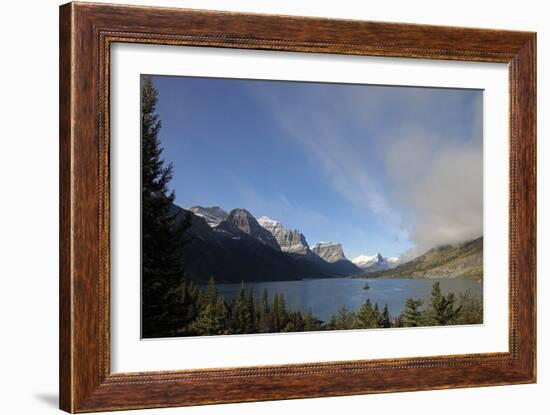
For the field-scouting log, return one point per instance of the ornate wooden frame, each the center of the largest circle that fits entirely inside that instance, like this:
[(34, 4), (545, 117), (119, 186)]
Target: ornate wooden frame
[(86, 33)]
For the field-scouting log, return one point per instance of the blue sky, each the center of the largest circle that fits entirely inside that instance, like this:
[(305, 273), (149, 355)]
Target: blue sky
[(376, 168)]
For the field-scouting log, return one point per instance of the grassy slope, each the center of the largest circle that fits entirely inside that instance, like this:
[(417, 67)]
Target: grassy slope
[(463, 260)]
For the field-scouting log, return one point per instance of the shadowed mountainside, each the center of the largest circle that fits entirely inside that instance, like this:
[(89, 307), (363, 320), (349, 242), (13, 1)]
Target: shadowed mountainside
[(240, 249)]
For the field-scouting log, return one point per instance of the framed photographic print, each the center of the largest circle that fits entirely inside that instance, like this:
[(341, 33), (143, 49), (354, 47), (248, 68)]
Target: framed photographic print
[(260, 207)]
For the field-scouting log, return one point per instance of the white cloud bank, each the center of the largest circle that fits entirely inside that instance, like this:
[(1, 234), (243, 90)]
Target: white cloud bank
[(441, 188)]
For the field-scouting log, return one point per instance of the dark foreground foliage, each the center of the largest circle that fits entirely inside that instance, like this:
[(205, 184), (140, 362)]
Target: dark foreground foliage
[(162, 270), (208, 313)]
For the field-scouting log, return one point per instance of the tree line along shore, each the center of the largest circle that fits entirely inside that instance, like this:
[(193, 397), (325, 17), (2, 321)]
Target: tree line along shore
[(202, 311)]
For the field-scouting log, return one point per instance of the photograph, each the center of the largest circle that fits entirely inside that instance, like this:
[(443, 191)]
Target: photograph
[(273, 206)]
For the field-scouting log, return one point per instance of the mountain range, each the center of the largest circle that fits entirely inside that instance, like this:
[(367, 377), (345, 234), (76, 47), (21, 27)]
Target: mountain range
[(234, 246), (463, 260)]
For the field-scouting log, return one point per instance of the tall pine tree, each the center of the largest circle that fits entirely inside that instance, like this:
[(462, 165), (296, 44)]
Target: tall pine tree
[(366, 316), (412, 315), (242, 318), (311, 323), (385, 320), (264, 317), (163, 313), (344, 319), (443, 308)]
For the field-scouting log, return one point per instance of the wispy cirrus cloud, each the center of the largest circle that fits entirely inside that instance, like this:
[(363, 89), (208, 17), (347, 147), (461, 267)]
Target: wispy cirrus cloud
[(410, 156)]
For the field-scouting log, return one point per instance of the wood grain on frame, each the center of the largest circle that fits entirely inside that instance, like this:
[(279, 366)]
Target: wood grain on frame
[(86, 33)]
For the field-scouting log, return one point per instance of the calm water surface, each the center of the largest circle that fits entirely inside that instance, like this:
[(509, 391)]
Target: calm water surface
[(325, 296)]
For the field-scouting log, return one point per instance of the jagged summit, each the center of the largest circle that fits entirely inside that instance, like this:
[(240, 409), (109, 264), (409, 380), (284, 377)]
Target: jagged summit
[(247, 223), (289, 240), (363, 261), (375, 262), (239, 231)]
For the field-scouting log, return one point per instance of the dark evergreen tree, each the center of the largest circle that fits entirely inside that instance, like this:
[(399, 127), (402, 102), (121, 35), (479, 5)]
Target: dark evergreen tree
[(264, 317), (398, 322), (471, 309), (412, 315), (209, 295), (193, 290), (378, 314), (311, 323), (366, 316), (208, 322), (343, 319), (189, 305), (212, 311), (251, 310), (163, 312), (222, 316), (295, 322), (442, 308), (240, 314), (282, 312), (274, 314), (385, 320)]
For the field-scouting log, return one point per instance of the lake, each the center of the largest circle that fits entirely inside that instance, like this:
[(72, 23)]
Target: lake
[(325, 296)]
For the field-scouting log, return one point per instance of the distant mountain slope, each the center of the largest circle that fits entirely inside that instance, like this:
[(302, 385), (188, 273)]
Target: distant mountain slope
[(462, 260)]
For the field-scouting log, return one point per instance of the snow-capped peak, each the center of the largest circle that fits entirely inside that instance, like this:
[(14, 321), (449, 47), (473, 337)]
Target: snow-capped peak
[(363, 260), (366, 261), (268, 223)]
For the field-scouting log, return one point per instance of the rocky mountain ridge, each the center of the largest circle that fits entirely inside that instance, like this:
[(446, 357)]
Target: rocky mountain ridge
[(234, 247), (289, 240)]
